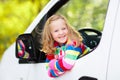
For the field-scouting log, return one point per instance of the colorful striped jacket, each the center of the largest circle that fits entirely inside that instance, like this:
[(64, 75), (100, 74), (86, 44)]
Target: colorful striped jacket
[(64, 58)]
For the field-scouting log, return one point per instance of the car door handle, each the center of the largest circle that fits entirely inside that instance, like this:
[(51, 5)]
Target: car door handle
[(87, 78)]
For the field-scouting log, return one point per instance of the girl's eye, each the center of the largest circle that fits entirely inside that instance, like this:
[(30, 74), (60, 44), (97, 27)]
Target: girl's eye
[(56, 31), (63, 28)]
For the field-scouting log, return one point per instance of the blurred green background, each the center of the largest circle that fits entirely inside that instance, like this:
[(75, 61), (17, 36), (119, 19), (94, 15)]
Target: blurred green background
[(16, 16)]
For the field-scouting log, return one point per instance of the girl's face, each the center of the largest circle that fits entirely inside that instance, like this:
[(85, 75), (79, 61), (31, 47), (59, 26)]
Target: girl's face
[(59, 31)]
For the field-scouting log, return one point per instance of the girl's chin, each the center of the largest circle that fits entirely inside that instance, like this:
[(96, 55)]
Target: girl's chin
[(63, 42)]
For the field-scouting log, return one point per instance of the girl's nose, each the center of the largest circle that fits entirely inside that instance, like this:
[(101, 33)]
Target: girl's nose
[(60, 32)]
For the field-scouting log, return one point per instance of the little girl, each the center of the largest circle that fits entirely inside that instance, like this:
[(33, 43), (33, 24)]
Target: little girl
[(62, 45)]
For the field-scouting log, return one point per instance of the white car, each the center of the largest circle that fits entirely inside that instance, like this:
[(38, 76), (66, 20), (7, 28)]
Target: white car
[(102, 63)]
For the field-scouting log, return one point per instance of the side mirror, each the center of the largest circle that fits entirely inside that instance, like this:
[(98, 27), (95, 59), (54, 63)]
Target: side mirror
[(25, 50)]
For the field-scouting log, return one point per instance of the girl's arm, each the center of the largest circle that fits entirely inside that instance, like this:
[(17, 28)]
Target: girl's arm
[(58, 67)]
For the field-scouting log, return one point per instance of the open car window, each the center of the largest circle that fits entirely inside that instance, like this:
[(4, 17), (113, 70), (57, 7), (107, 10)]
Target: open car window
[(86, 16)]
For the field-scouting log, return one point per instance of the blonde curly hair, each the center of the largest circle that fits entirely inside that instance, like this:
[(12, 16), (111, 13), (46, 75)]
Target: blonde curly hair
[(47, 39)]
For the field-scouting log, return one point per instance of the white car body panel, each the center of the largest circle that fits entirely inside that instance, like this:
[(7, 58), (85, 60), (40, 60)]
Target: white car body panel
[(102, 63), (114, 57)]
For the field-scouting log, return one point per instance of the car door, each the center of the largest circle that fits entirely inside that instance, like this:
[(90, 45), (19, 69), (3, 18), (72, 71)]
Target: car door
[(92, 66)]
